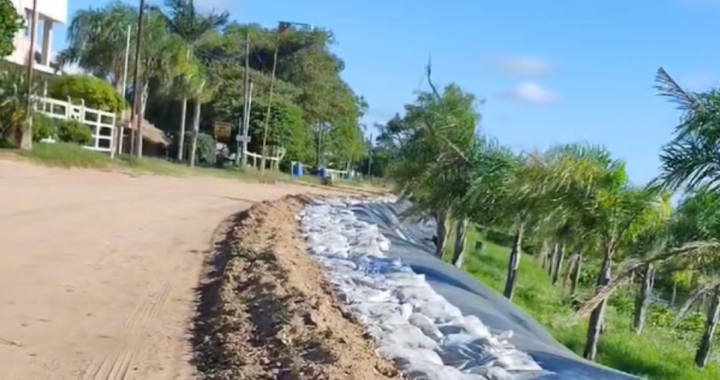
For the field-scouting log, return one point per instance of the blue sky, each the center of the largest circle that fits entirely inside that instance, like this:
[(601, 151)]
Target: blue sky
[(549, 71)]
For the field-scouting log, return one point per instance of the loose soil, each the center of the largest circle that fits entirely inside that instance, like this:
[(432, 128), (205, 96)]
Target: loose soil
[(267, 311), (98, 271)]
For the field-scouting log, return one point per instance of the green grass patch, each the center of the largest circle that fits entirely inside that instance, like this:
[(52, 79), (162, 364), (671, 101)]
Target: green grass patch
[(67, 156), (74, 156), (656, 354)]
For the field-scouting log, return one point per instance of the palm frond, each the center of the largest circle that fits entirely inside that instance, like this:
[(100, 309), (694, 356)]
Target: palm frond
[(666, 87)]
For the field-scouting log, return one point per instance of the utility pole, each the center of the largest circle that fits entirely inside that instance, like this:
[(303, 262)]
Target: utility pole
[(137, 90), (270, 99), (247, 88), (26, 139), (124, 87), (246, 123)]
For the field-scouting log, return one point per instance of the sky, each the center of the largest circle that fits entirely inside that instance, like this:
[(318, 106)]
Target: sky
[(549, 72)]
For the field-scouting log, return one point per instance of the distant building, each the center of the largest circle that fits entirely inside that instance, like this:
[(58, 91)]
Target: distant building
[(50, 13)]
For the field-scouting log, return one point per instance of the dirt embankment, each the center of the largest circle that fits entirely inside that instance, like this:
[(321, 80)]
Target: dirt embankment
[(267, 312)]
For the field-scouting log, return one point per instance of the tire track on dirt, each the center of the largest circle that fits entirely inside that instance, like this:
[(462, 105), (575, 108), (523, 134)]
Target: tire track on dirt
[(116, 367)]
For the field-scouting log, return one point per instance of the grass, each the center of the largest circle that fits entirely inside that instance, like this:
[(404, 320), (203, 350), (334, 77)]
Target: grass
[(657, 354), (73, 156)]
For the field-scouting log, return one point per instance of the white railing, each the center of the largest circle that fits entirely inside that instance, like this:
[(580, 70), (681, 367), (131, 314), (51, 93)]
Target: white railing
[(274, 160), (101, 123)]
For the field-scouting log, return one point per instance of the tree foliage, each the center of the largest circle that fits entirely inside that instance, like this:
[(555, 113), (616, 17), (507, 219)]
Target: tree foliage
[(10, 23), (95, 92)]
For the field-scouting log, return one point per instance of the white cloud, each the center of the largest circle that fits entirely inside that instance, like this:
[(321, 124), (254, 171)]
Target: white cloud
[(529, 66), (530, 93)]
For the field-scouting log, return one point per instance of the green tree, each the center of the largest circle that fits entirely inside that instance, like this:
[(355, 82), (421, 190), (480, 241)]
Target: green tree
[(432, 166), (621, 213), (184, 20), (9, 26), (287, 129), (690, 159), (96, 40)]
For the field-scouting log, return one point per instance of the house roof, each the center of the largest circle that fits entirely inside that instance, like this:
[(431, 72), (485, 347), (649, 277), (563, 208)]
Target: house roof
[(150, 132)]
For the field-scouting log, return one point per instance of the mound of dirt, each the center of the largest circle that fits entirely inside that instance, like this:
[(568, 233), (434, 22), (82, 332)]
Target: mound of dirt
[(266, 311)]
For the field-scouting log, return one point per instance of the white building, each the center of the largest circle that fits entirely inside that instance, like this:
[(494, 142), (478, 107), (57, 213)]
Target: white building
[(50, 13)]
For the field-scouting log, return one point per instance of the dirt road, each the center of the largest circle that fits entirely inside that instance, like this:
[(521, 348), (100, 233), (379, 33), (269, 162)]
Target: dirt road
[(98, 270)]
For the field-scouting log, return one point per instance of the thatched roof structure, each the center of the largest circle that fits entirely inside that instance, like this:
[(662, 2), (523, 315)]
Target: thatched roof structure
[(150, 132)]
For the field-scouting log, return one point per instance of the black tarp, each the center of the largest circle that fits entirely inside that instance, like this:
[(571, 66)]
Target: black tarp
[(411, 241)]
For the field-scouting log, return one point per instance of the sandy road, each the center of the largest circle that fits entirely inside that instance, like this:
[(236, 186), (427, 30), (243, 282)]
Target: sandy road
[(98, 270)]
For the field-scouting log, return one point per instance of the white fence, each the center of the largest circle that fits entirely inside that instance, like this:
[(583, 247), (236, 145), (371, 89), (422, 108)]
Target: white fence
[(101, 123)]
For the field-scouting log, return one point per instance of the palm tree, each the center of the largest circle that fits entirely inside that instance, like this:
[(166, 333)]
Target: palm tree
[(203, 89), (161, 60), (622, 213), (97, 39), (433, 166), (691, 158), (648, 243), (698, 218), (184, 20)]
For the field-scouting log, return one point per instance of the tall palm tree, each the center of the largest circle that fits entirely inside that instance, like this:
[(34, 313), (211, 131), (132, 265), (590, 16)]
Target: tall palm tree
[(184, 20), (96, 41), (162, 59), (204, 87)]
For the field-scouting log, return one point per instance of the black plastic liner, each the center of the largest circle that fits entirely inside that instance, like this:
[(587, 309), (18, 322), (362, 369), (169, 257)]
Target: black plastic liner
[(411, 241)]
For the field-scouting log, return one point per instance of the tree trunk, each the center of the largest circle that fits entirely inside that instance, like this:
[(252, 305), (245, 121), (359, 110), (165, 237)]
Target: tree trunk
[(196, 130), (569, 271), (577, 269), (544, 255), (559, 258), (513, 263), (598, 314), (441, 220), (460, 238), (674, 295), (26, 141), (553, 254), (181, 138), (642, 301), (703, 352), (143, 106)]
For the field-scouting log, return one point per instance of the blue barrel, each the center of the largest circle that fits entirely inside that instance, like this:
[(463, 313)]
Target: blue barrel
[(297, 169), (322, 172)]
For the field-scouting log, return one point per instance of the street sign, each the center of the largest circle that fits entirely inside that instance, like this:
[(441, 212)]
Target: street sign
[(222, 129)]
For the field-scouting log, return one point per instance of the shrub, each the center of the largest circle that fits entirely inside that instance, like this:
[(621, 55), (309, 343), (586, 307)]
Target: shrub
[(13, 95), (73, 131), (96, 92), (43, 127), (205, 148)]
